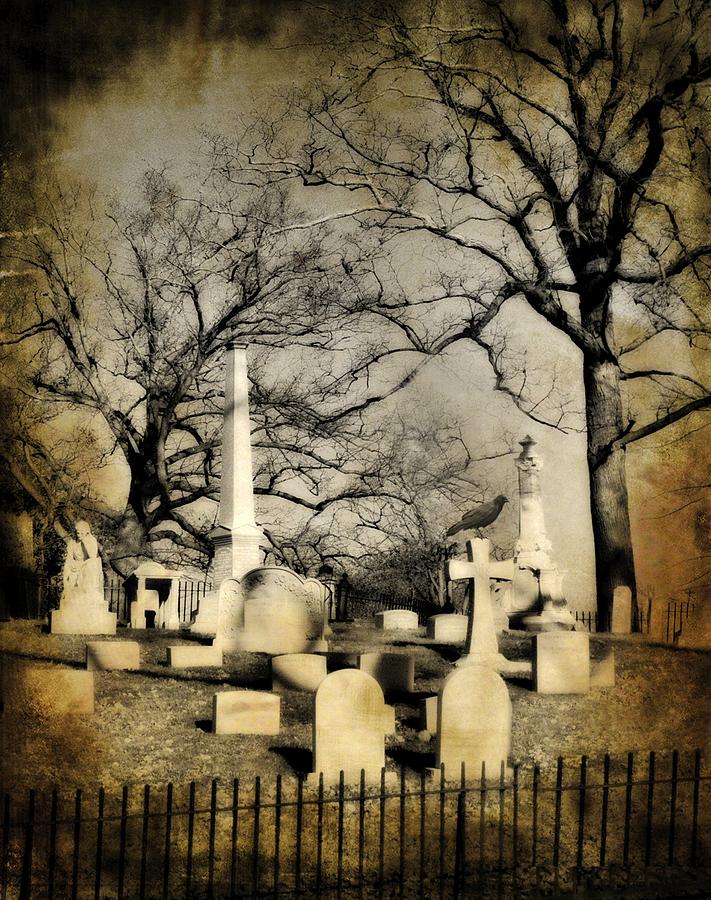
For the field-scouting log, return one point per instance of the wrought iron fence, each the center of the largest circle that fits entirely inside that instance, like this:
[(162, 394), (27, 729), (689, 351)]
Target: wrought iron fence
[(190, 593), (588, 825)]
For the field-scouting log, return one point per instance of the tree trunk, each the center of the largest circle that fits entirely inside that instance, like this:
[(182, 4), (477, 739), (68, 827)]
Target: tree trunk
[(614, 559)]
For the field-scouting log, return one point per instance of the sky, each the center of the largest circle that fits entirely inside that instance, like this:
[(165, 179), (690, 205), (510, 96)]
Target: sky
[(111, 88)]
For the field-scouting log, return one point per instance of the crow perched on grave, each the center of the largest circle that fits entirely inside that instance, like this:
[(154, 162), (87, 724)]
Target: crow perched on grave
[(480, 516)]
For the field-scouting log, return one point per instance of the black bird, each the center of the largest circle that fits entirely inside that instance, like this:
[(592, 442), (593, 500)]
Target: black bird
[(480, 516)]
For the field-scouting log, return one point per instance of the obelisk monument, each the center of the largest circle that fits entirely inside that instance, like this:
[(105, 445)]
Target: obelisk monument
[(236, 536)]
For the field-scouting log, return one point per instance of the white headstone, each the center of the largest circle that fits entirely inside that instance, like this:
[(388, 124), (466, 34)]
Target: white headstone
[(245, 712), (392, 671), (621, 610), (561, 662), (103, 656), (280, 614), (449, 627), (481, 648), (298, 672), (428, 714), (349, 720), (473, 723), (393, 619)]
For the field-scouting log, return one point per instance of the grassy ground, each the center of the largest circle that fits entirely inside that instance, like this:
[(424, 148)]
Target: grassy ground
[(153, 726)]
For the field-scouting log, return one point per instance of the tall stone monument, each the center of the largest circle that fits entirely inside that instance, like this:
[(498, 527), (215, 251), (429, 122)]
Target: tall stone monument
[(236, 537), (82, 607), (537, 599)]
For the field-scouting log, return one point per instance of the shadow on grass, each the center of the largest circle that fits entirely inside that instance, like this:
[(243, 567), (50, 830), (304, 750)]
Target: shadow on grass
[(448, 652), (299, 758), (204, 725), (417, 760), (33, 657)]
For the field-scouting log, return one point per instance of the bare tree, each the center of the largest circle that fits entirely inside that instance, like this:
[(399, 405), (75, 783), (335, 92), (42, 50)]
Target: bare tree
[(121, 317), (553, 158)]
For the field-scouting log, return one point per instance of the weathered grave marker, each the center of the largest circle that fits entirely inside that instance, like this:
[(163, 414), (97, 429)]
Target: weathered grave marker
[(473, 723), (561, 662), (103, 656), (448, 627), (298, 672), (349, 722), (621, 610), (245, 712), (393, 619)]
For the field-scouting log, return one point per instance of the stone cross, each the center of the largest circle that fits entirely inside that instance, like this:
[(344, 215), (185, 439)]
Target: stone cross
[(236, 536), (481, 648)]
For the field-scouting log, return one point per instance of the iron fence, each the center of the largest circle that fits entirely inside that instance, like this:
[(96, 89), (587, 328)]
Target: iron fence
[(364, 605), (580, 826), (190, 593)]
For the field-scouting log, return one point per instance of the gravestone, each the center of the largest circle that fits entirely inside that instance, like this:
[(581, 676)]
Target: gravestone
[(348, 729), (428, 714), (602, 671), (393, 619), (561, 662), (473, 723), (448, 627), (392, 671), (245, 712), (481, 646), (194, 656), (103, 656), (389, 720), (82, 608), (49, 689), (621, 610), (281, 614), (298, 672), (230, 612)]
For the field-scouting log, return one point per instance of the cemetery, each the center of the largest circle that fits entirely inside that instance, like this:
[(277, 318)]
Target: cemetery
[(263, 683), (354, 476)]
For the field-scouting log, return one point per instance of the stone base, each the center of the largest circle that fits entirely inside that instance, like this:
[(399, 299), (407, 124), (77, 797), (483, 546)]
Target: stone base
[(495, 661), (82, 621), (549, 620)]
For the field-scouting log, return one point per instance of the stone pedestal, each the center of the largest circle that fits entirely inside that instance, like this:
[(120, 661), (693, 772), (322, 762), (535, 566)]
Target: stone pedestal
[(83, 618)]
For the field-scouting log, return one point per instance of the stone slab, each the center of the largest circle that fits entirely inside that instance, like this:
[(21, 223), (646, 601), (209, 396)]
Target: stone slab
[(428, 714), (193, 656), (561, 662), (392, 671), (245, 712), (449, 627), (82, 621), (298, 672), (621, 610), (53, 690), (397, 619), (103, 656)]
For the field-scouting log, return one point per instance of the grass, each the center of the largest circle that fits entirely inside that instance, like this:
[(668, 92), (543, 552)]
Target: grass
[(153, 726)]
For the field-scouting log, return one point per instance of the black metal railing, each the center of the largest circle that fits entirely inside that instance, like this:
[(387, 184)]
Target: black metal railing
[(568, 827), (190, 593)]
